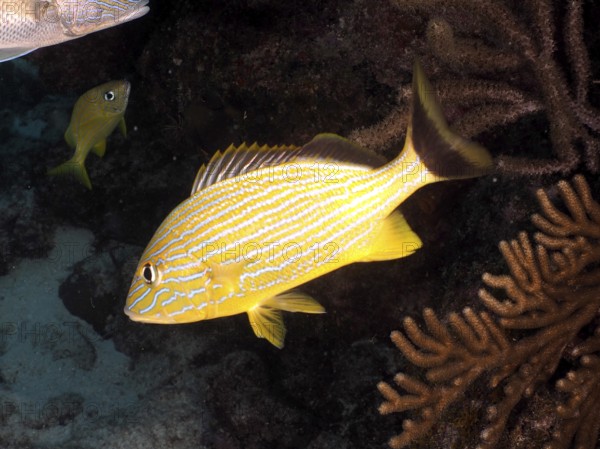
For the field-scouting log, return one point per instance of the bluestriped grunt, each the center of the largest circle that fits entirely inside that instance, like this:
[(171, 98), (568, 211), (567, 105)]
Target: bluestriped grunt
[(263, 220)]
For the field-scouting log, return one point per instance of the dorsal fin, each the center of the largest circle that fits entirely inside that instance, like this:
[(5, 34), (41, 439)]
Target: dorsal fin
[(235, 161)]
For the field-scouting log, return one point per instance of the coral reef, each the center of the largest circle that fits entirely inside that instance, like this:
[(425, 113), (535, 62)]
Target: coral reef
[(502, 65), (541, 315)]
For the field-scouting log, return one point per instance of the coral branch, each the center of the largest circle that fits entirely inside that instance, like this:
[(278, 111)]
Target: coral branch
[(486, 42), (551, 296)]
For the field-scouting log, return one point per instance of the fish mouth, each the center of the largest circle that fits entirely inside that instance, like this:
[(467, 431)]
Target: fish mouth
[(137, 10), (126, 89), (155, 319)]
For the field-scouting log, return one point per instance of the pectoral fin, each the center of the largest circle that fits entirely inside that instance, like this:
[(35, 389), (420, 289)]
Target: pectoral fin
[(100, 148), (394, 240), (266, 319), (225, 276), (123, 127)]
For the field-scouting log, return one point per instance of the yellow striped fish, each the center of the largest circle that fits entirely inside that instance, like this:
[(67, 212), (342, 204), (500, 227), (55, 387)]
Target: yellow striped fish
[(95, 116), (263, 220)]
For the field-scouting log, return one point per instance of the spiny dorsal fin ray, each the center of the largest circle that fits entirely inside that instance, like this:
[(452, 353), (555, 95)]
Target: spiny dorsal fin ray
[(235, 161), (443, 152)]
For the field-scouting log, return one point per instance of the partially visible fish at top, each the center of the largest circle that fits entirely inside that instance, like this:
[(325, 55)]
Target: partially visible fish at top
[(26, 25), (261, 221), (95, 116)]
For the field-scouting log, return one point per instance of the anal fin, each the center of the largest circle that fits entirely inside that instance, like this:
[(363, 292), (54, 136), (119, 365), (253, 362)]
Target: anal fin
[(395, 240), (100, 148)]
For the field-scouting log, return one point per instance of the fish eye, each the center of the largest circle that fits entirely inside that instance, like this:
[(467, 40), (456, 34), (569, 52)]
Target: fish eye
[(109, 96), (149, 273)]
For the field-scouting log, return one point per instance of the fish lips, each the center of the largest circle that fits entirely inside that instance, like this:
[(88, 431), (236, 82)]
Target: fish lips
[(139, 11), (153, 319)]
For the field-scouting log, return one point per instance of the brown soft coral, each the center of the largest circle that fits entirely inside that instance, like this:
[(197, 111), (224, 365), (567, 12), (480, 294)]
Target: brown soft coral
[(540, 315)]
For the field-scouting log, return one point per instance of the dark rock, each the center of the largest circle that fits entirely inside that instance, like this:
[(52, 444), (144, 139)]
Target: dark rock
[(95, 291), (250, 408)]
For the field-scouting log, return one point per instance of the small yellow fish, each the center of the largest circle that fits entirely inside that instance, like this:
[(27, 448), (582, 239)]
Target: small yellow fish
[(95, 116), (263, 220), (26, 25)]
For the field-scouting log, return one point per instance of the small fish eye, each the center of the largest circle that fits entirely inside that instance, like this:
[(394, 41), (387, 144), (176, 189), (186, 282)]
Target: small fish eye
[(109, 96), (149, 273)]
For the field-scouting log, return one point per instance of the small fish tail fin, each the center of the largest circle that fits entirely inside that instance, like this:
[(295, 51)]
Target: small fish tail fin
[(432, 145), (73, 168)]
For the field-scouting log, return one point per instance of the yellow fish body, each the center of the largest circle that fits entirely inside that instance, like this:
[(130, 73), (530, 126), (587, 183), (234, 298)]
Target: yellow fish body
[(261, 221), (95, 116)]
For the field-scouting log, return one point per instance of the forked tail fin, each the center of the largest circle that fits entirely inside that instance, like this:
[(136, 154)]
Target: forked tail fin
[(74, 168), (445, 154)]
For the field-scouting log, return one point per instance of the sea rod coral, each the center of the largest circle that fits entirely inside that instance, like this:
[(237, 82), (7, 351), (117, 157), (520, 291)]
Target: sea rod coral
[(544, 313), (499, 61)]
